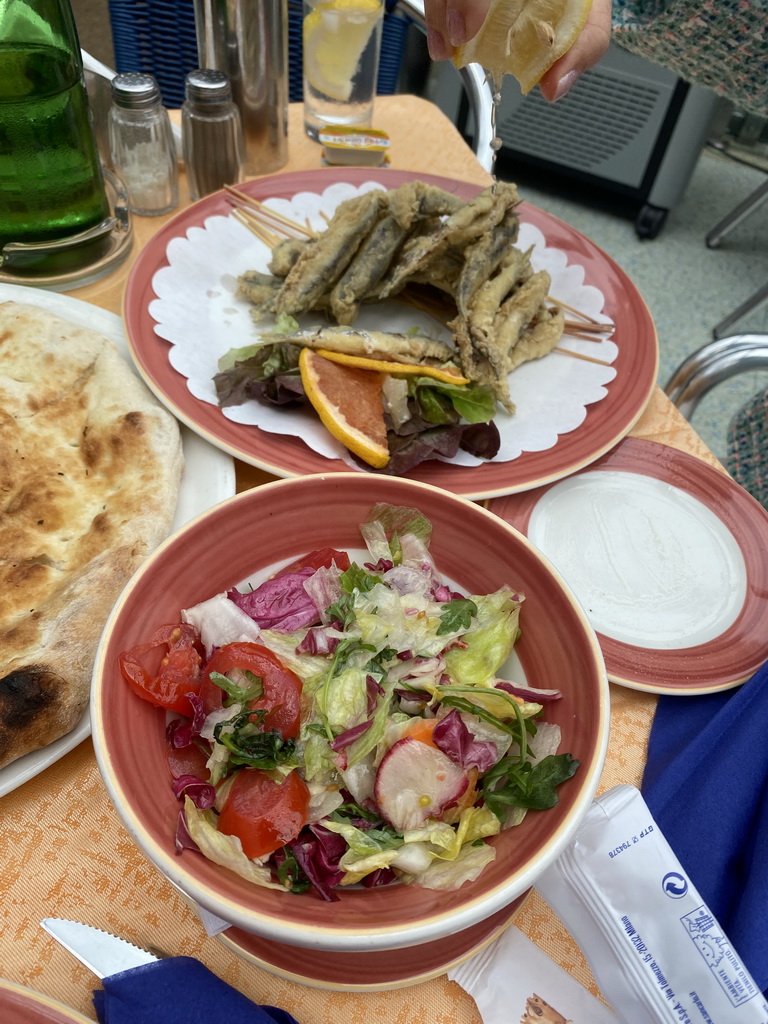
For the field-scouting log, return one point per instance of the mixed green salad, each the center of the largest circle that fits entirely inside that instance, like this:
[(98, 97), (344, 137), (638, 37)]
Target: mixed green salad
[(345, 723)]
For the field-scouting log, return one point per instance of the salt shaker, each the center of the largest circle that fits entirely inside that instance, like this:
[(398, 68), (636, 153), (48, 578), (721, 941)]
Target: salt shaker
[(212, 133), (141, 144)]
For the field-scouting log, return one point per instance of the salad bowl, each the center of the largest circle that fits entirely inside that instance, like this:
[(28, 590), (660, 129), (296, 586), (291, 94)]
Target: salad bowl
[(247, 538)]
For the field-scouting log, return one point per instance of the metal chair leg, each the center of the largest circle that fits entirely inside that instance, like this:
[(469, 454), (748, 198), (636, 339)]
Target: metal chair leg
[(712, 364), (754, 302), (736, 216)]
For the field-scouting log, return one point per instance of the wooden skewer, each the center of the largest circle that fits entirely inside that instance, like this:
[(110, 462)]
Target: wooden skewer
[(266, 212), (584, 337), (579, 355), (587, 328), (577, 312), (258, 229)]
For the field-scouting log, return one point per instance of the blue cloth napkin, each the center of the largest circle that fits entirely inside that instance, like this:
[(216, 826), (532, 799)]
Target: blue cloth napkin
[(177, 990), (706, 784)]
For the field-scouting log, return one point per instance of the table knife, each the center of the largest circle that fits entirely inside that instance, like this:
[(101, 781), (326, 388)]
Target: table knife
[(101, 952)]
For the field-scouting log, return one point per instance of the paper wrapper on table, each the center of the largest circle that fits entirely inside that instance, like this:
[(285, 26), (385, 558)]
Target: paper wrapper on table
[(657, 953), (513, 980)]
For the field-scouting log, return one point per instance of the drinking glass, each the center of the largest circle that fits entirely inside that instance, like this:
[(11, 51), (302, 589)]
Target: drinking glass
[(341, 46)]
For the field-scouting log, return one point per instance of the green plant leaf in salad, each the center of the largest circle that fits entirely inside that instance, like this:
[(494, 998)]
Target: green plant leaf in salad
[(239, 694), (442, 402), (249, 744), (457, 614), (512, 783)]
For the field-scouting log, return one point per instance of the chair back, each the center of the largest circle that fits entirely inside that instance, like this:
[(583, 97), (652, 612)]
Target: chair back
[(160, 39)]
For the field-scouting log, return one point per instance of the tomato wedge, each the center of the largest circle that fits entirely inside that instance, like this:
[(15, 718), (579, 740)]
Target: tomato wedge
[(265, 810), (320, 558), (166, 668), (282, 688)]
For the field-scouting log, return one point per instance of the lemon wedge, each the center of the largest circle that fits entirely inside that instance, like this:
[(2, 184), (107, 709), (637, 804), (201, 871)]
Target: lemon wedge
[(335, 35), (524, 38)]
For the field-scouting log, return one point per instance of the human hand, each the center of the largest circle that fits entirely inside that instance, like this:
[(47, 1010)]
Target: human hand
[(450, 23)]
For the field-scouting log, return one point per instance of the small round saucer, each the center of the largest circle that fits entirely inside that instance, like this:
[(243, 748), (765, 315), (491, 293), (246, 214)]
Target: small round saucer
[(370, 971)]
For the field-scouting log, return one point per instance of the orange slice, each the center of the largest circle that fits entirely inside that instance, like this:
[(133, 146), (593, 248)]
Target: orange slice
[(348, 402), (447, 376)]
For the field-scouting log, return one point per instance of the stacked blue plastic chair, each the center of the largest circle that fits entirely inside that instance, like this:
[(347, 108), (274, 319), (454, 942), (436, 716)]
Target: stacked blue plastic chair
[(158, 37)]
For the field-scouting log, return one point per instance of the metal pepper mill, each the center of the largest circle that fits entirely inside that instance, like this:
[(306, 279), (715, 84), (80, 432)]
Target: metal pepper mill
[(248, 41)]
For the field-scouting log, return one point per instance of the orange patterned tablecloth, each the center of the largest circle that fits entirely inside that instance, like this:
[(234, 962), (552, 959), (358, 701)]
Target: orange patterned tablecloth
[(63, 850)]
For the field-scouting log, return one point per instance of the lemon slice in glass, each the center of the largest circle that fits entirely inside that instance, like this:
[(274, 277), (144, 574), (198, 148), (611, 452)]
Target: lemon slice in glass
[(335, 34), (524, 38)]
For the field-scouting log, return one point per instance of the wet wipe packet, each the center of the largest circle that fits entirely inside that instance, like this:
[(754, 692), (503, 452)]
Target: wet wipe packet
[(657, 952)]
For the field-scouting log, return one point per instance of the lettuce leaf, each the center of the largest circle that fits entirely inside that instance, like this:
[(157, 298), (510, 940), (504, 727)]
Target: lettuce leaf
[(489, 639), (448, 875)]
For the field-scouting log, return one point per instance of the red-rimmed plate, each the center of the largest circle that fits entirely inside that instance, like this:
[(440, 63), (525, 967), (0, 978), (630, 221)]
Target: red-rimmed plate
[(605, 423), (667, 556), (20, 1005), (370, 972)]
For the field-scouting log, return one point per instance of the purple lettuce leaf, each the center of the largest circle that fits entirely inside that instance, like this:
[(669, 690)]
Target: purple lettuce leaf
[(281, 603), (453, 737)]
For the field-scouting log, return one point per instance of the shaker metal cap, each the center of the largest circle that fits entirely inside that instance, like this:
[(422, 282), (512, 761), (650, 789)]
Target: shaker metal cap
[(135, 90), (207, 86)]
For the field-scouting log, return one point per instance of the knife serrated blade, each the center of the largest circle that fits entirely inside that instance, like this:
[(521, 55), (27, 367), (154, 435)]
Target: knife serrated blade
[(101, 952)]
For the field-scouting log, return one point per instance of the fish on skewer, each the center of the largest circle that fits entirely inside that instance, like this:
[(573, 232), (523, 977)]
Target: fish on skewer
[(379, 244), (324, 258), (365, 272), (482, 257), (406, 348), (412, 203), (463, 226), (285, 254), (539, 338)]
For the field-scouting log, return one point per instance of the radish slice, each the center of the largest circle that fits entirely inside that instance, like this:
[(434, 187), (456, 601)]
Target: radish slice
[(416, 781)]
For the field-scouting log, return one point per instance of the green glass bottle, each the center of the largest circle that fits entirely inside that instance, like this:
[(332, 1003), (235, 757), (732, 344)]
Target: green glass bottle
[(51, 183)]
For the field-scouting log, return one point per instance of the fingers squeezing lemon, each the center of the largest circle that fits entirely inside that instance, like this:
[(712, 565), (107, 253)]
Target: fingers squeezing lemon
[(524, 38)]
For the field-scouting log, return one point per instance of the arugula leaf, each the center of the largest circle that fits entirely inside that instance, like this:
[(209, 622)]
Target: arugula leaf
[(239, 694), (250, 745), (290, 874), (512, 784), (351, 810), (344, 650), (448, 695), (457, 614)]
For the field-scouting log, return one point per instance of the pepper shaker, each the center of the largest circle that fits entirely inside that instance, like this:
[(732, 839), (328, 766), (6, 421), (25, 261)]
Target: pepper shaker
[(141, 144), (212, 133)]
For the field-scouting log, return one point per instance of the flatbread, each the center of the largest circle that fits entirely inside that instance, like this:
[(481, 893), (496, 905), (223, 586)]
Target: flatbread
[(90, 466)]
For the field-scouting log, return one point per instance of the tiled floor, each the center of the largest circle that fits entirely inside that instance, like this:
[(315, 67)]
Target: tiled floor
[(688, 287)]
